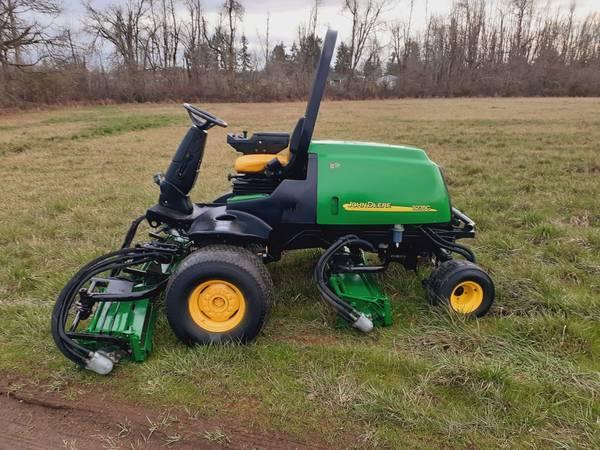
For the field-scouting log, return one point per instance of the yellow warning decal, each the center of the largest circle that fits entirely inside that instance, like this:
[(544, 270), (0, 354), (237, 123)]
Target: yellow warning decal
[(385, 207)]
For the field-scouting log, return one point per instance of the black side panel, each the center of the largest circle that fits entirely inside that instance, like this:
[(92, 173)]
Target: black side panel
[(229, 226), (254, 184), (294, 201)]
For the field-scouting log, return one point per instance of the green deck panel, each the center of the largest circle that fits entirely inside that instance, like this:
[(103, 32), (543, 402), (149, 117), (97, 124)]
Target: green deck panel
[(132, 321), (363, 293)]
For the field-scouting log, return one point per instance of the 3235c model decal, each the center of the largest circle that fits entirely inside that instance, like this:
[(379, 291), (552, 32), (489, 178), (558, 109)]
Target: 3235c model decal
[(385, 207)]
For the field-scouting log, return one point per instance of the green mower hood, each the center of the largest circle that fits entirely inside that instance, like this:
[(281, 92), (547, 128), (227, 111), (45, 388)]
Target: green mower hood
[(363, 183)]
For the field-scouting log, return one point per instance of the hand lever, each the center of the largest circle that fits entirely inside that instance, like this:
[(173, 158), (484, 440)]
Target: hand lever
[(158, 178)]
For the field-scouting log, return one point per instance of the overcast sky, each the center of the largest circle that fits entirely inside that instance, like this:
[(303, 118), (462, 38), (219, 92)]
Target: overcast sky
[(287, 15)]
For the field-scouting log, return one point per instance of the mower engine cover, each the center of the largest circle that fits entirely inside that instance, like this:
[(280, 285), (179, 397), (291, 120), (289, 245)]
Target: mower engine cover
[(362, 183)]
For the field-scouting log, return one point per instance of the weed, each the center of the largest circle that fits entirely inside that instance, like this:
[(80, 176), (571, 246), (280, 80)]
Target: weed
[(217, 436)]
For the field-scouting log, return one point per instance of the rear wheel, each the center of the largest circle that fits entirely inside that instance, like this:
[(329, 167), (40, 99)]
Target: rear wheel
[(219, 294), (463, 286)]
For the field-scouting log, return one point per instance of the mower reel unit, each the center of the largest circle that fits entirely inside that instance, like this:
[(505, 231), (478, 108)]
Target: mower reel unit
[(360, 202)]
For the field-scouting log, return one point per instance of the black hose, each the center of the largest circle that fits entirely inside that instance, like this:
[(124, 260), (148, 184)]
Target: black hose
[(66, 298), (132, 231), (466, 252), (343, 308), (110, 262)]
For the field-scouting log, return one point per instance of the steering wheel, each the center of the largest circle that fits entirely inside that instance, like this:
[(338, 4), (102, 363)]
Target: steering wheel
[(203, 119)]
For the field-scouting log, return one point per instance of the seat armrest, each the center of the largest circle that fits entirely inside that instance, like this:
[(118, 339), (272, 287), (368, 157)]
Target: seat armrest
[(269, 143)]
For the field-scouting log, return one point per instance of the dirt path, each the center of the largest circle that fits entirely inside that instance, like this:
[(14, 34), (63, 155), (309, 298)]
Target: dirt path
[(33, 419)]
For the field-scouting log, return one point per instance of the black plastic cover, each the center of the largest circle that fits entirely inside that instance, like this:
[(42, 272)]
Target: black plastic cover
[(182, 172), (269, 143), (230, 226), (292, 202)]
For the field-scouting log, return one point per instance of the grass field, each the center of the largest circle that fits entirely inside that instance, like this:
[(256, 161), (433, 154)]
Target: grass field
[(527, 375)]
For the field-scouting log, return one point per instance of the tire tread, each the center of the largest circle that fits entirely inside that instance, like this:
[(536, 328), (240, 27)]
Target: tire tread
[(240, 257), (441, 275)]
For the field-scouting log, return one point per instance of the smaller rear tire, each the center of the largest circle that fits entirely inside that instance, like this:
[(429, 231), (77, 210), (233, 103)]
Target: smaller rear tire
[(462, 285)]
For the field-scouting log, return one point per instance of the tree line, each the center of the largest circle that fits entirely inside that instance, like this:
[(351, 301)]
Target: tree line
[(153, 50)]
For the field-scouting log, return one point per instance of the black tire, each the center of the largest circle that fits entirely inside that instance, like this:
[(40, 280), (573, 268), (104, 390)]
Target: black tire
[(236, 266), (444, 287)]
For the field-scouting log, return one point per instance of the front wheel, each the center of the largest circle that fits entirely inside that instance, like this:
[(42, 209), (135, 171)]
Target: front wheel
[(219, 294), (462, 285)]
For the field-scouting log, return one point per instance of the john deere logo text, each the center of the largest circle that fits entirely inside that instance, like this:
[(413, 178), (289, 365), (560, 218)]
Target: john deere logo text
[(385, 207)]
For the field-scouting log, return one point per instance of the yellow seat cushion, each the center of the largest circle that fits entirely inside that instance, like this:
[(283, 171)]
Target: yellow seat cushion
[(258, 163)]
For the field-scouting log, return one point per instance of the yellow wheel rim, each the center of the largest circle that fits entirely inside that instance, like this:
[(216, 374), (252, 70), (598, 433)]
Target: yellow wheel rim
[(466, 297), (217, 306)]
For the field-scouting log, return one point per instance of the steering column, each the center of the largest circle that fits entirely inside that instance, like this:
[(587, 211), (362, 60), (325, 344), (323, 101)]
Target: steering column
[(182, 173)]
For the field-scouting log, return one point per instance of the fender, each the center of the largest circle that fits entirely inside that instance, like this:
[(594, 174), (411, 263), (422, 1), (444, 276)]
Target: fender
[(217, 222)]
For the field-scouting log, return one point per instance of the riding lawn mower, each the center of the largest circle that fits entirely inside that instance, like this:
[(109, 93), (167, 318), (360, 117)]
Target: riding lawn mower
[(358, 201)]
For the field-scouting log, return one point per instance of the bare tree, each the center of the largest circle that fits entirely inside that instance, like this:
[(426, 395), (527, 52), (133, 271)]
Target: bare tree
[(24, 42), (122, 26), (408, 28), (400, 39), (163, 34), (195, 50), (264, 41), (216, 41), (521, 40), (234, 12), (366, 19), (222, 41), (20, 31), (395, 45)]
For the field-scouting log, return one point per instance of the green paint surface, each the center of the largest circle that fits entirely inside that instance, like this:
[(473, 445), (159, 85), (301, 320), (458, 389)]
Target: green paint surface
[(245, 197), (363, 293), (362, 183), (132, 321)]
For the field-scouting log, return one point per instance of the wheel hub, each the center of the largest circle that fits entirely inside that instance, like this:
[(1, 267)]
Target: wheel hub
[(466, 297), (217, 305)]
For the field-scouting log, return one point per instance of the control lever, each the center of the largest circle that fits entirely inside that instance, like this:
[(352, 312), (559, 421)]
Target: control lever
[(158, 178)]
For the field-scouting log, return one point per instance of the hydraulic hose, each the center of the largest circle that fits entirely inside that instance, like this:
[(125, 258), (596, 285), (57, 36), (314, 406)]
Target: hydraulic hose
[(466, 252), (346, 311), (132, 231), (111, 262)]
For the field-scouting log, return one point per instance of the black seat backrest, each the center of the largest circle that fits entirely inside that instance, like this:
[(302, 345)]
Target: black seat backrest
[(302, 136), (295, 139), (296, 166)]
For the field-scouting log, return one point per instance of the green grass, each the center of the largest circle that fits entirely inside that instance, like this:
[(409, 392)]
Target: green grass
[(527, 375)]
